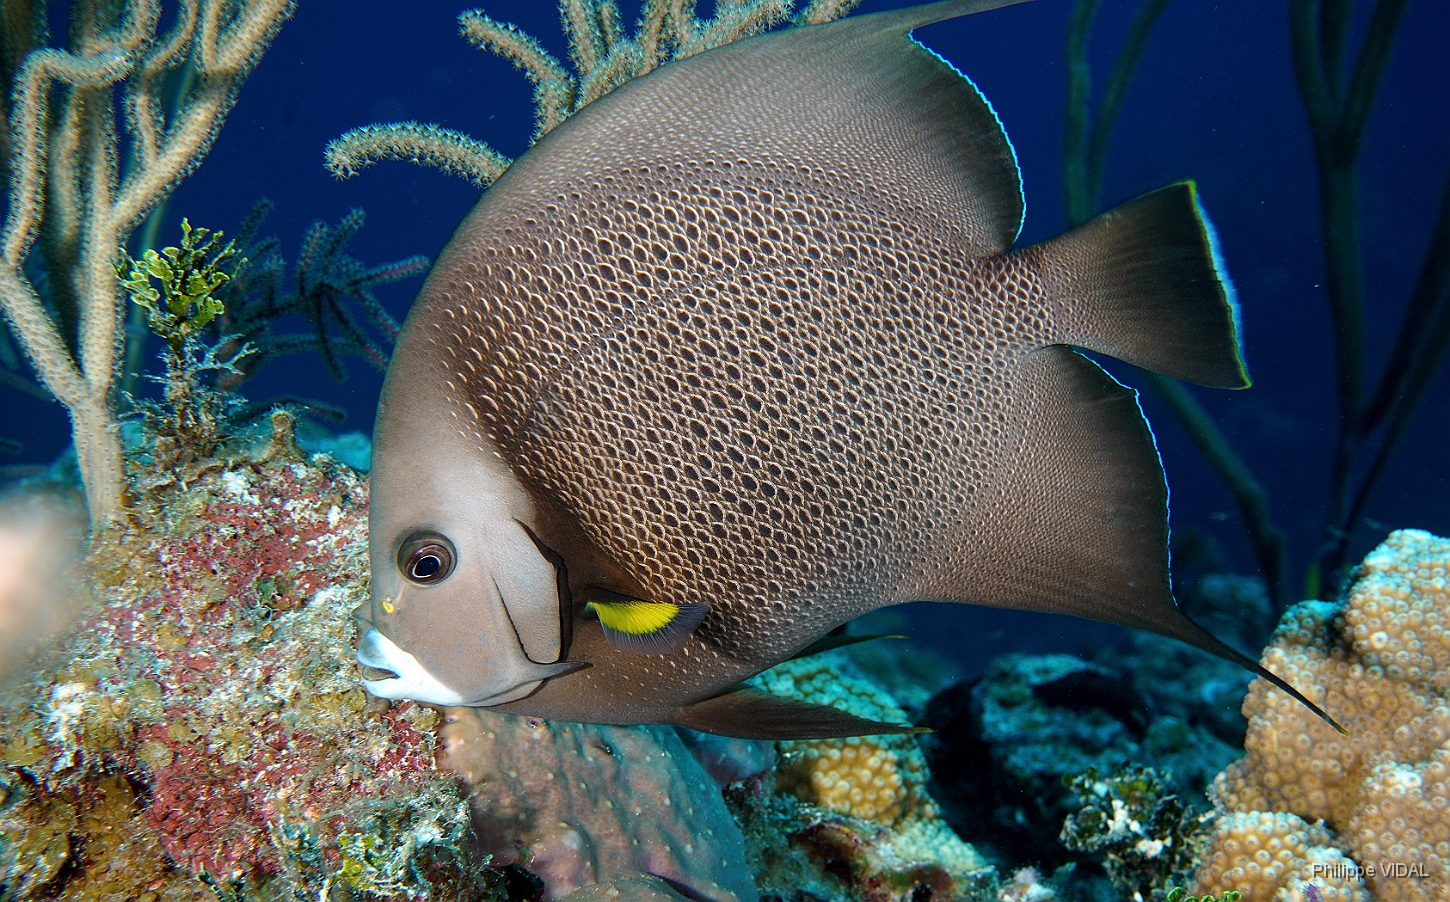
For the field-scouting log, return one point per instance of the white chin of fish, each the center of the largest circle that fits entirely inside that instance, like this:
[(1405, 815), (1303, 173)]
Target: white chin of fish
[(414, 682)]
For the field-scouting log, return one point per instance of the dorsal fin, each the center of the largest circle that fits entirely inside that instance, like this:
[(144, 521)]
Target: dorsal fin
[(857, 97)]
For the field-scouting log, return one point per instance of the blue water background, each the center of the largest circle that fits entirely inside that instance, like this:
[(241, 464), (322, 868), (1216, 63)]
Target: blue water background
[(1214, 100)]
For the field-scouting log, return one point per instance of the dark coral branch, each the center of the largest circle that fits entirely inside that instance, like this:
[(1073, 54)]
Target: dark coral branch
[(1420, 345), (1319, 30), (1415, 362), (1307, 39), (330, 290), (1374, 54), (1080, 194), (1333, 33), (1117, 89), (1267, 541), (1085, 148), (1344, 285), (21, 384)]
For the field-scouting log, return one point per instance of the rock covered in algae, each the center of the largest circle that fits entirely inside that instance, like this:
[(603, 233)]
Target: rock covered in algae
[(203, 724), (1011, 742), (203, 733), (584, 804), (1379, 662)]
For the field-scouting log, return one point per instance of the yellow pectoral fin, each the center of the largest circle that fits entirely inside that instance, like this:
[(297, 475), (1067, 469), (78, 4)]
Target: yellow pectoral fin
[(647, 627)]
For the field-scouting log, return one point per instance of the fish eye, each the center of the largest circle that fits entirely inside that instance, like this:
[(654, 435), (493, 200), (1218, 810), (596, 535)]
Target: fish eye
[(426, 558)]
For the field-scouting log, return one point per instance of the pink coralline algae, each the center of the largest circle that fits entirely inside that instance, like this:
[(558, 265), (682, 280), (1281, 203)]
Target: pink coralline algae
[(215, 673)]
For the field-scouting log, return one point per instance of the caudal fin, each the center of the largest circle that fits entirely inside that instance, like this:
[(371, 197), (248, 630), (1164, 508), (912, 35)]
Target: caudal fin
[(1145, 283)]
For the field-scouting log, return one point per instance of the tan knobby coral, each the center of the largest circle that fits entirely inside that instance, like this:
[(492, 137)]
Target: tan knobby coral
[(852, 818), (1381, 661), (1273, 856)]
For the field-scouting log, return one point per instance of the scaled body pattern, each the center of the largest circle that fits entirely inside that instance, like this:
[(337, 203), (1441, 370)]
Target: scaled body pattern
[(743, 350)]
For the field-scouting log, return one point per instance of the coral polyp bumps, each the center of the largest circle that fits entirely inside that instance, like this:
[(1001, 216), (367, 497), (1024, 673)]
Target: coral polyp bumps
[(1382, 659)]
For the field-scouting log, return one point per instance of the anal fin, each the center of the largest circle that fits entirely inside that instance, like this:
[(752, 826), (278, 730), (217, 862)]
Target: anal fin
[(844, 640), (1077, 522), (746, 713)]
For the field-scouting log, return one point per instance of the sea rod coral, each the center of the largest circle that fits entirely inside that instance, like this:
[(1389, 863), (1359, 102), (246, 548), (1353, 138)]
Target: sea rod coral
[(604, 57), (1382, 659), (61, 154)]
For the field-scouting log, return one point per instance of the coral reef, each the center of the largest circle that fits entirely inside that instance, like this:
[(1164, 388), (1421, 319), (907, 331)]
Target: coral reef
[(579, 804), (1266, 856), (203, 732), (799, 851), (1381, 660), (1011, 741), (1148, 836), (850, 819), (879, 778), (1026, 886), (203, 724), (628, 889)]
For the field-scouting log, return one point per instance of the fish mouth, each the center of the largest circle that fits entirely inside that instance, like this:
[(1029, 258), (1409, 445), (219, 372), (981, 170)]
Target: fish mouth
[(402, 675), (375, 674), (390, 672)]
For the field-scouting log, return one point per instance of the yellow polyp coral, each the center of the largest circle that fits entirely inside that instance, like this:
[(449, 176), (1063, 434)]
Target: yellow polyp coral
[(878, 778), (1273, 856), (858, 776), (1379, 663), (857, 806)]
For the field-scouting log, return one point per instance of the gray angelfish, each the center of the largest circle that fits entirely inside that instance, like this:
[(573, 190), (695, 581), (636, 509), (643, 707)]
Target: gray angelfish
[(742, 351)]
